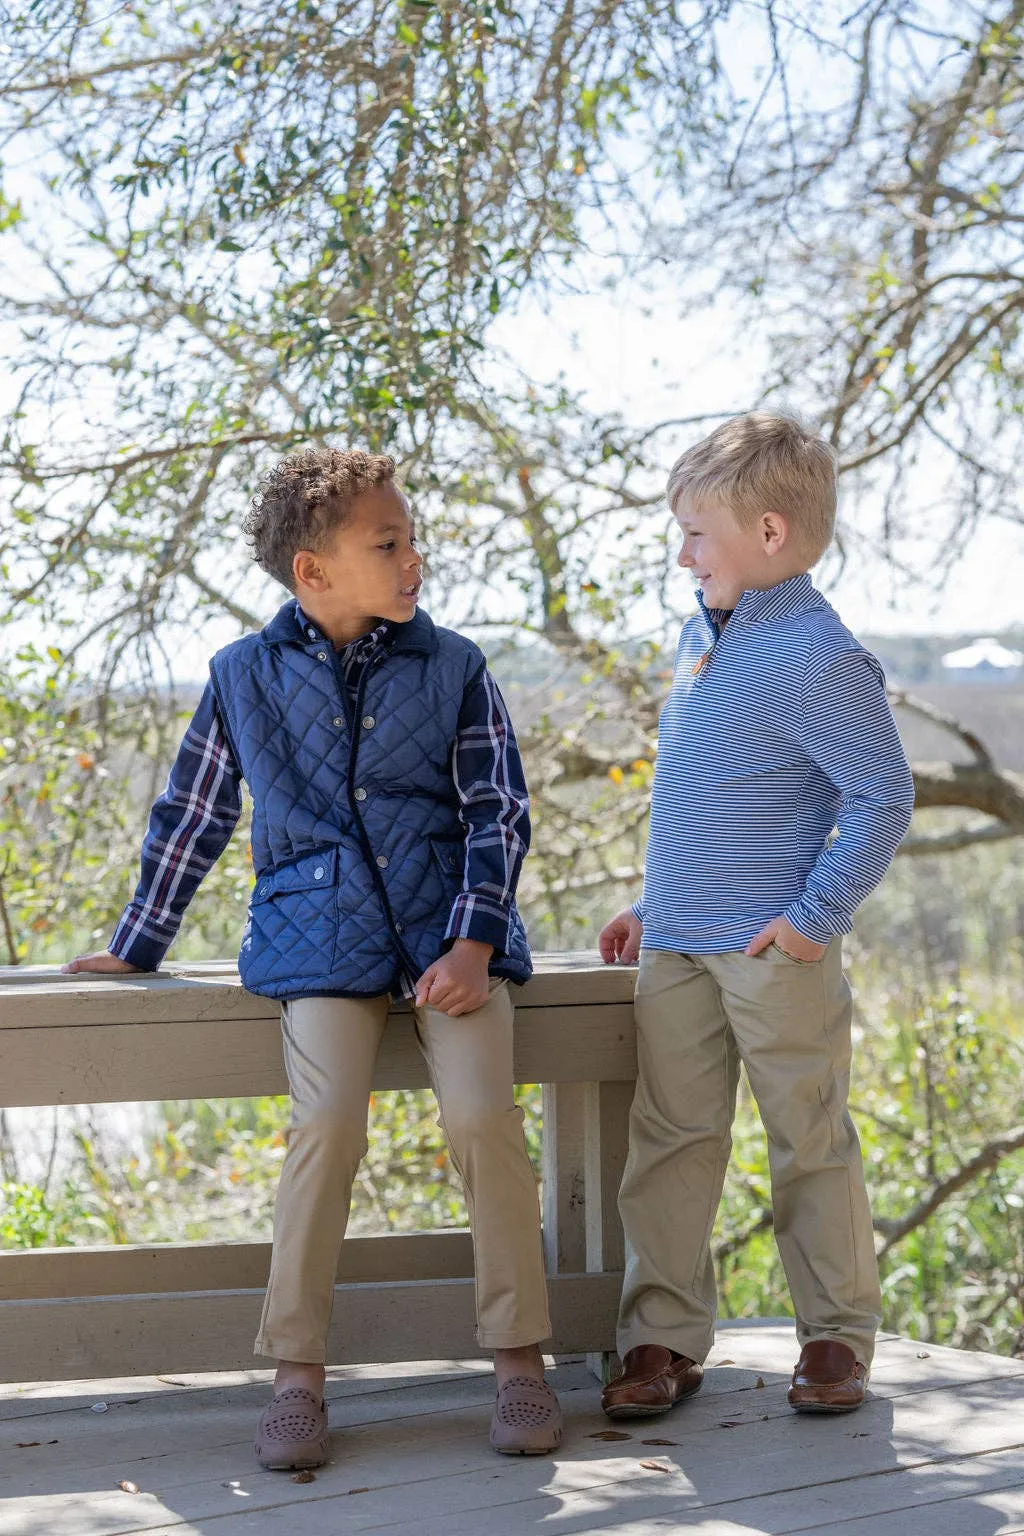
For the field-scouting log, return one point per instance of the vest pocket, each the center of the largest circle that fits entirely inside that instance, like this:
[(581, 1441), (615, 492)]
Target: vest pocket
[(312, 872), (292, 931)]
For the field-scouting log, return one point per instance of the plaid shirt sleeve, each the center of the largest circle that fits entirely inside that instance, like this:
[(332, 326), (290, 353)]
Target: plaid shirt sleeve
[(189, 828), (495, 810)]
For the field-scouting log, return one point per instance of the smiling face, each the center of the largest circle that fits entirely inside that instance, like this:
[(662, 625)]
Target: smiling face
[(726, 557), (369, 570)]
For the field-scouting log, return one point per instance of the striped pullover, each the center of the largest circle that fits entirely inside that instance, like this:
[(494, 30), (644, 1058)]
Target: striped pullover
[(776, 734)]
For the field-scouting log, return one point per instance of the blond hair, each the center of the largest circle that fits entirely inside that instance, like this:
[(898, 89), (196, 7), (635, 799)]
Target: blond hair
[(764, 462)]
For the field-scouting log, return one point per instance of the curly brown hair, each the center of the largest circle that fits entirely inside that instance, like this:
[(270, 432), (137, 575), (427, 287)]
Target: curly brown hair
[(304, 498)]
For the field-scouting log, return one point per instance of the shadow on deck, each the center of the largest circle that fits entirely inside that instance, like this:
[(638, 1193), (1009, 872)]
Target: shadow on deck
[(937, 1451)]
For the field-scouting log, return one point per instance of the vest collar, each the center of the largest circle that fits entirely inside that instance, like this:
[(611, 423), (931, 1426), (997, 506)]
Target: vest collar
[(290, 626), (797, 595)]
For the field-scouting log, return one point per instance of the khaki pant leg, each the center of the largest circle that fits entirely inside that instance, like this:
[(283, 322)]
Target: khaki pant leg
[(679, 1144), (791, 1023), (330, 1047), (470, 1063)]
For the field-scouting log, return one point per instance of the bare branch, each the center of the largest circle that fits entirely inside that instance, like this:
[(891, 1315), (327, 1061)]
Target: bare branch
[(894, 1229), (925, 711)]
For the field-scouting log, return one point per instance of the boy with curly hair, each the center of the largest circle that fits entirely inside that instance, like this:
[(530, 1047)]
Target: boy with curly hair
[(390, 821)]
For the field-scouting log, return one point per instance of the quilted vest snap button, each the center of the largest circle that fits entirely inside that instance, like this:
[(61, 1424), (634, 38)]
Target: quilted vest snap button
[(399, 927), (382, 862), (368, 722), (321, 655), (338, 720), (360, 794), (318, 873)]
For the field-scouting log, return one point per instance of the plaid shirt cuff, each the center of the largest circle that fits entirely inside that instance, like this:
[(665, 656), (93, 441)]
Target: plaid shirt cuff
[(474, 917), (141, 944)]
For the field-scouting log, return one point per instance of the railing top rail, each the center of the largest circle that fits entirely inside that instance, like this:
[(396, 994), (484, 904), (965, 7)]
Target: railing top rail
[(37, 997)]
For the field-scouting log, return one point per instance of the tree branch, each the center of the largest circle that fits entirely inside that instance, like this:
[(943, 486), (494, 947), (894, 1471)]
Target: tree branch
[(894, 1229)]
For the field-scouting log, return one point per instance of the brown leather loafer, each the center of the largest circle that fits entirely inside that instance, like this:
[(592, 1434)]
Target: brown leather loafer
[(828, 1378), (653, 1380)]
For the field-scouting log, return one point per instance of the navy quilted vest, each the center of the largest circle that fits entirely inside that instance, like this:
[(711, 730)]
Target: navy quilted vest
[(356, 838)]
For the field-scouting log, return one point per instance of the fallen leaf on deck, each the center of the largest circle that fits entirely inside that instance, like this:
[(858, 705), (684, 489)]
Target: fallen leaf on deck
[(23, 1445), (98, 1408), (128, 1487), (923, 1354), (305, 1476), (759, 1382), (609, 1434), (725, 1362), (172, 1381), (729, 1423), (361, 1490), (659, 1442), (654, 1466)]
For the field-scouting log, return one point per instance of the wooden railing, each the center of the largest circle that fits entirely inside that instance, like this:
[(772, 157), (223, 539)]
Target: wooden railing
[(194, 1032)]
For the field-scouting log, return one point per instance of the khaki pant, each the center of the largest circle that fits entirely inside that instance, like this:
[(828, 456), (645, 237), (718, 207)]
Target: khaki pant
[(330, 1046), (697, 1017)]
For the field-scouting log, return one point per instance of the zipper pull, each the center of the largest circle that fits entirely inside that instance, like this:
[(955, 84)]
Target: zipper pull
[(701, 663)]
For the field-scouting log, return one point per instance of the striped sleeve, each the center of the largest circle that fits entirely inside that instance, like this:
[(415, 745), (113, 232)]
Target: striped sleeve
[(849, 732), (189, 828), (494, 809)]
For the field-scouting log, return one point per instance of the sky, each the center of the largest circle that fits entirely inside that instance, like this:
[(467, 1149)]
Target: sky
[(635, 353)]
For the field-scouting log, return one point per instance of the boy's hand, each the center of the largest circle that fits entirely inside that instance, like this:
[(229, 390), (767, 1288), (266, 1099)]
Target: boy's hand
[(103, 961), (458, 982), (620, 939), (787, 938)]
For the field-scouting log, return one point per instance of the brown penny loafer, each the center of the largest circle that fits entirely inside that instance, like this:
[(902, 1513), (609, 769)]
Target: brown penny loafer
[(653, 1380), (828, 1378)]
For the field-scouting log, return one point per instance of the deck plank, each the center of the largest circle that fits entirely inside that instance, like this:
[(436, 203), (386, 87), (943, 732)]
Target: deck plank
[(936, 1452)]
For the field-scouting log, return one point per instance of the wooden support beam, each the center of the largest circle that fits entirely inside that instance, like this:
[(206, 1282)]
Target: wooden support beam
[(222, 1057), (133, 1269), (563, 1184), (214, 1330), (606, 1137)]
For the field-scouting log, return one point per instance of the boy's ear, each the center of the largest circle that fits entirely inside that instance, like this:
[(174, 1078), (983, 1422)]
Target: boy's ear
[(307, 570), (774, 532)]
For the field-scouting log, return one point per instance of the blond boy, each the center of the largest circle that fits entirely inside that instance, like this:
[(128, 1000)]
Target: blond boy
[(776, 733)]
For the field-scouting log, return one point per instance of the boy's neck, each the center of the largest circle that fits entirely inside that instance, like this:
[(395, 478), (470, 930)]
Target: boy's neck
[(340, 629)]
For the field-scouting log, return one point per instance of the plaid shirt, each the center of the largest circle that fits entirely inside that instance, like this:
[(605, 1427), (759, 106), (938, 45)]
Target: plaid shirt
[(191, 823)]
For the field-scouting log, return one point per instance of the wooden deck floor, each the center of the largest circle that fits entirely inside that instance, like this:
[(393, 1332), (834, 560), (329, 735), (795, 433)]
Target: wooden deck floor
[(937, 1451)]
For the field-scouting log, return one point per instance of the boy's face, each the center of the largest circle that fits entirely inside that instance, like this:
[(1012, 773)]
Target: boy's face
[(370, 569), (725, 557)]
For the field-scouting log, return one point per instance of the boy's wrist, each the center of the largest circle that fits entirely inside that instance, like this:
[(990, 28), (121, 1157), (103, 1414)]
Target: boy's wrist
[(812, 926), (478, 946)]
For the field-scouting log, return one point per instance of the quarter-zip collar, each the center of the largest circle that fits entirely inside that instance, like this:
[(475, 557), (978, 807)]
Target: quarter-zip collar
[(796, 595)]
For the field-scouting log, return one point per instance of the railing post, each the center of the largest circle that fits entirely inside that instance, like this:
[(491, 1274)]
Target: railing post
[(563, 1186), (606, 1135)]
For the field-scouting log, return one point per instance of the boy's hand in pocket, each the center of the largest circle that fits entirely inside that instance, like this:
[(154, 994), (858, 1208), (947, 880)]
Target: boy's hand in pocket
[(620, 939), (458, 982), (790, 940)]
